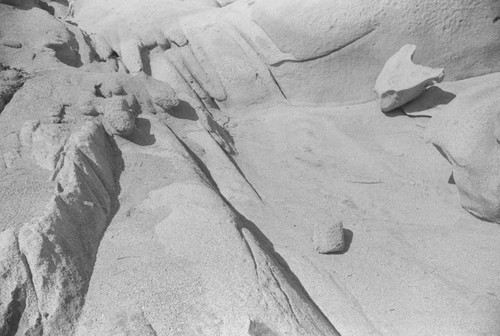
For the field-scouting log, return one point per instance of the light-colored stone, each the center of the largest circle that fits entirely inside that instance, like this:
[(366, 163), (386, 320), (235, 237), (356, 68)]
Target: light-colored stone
[(117, 118), (401, 81), (328, 237)]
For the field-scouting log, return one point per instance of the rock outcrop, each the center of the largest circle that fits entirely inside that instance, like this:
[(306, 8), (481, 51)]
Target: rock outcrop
[(123, 207), (245, 54), (467, 133)]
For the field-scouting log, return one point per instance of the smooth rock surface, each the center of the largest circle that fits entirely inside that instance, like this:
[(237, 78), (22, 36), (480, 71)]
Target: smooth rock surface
[(467, 133)]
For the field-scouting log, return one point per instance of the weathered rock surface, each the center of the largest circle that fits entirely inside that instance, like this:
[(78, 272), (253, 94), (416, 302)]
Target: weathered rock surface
[(155, 180), (56, 250), (401, 81), (343, 45), (467, 133), (57, 45), (214, 274)]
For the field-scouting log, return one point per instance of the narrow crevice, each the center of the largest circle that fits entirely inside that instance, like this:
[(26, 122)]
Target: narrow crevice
[(249, 248), (97, 91), (235, 164), (200, 164), (276, 82), (289, 303), (267, 246), (328, 53), (30, 276), (37, 329)]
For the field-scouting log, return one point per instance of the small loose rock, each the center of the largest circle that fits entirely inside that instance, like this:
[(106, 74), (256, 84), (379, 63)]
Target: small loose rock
[(329, 237)]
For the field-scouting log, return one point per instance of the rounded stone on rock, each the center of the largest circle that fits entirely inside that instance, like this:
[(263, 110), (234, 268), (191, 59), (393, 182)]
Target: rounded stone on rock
[(85, 104), (118, 119), (401, 80), (163, 95), (328, 237), (111, 87)]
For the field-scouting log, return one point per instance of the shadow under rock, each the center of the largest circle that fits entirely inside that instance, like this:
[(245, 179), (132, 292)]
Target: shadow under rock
[(348, 236), (183, 111), (142, 134), (432, 97)]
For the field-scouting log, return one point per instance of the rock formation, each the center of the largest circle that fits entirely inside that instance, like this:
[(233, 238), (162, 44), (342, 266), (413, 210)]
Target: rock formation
[(163, 164), (401, 81), (466, 133)]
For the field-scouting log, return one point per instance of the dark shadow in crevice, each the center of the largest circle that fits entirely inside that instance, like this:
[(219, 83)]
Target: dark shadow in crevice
[(46, 7), (27, 5), (146, 61), (451, 179), (68, 53), (142, 135), (13, 313), (442, 152), (235, 164), (183, 111), (90, 44), (211, 108), (205, 172)]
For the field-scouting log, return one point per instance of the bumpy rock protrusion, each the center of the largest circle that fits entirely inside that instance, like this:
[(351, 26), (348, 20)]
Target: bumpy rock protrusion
[(328, 237), (118, 119), (161, 94), (401, 80), (112, 87)]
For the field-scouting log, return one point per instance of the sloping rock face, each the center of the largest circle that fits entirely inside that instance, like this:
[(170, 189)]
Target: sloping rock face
[(48, 261), (467, 134), (211, 272), (65, 127)]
